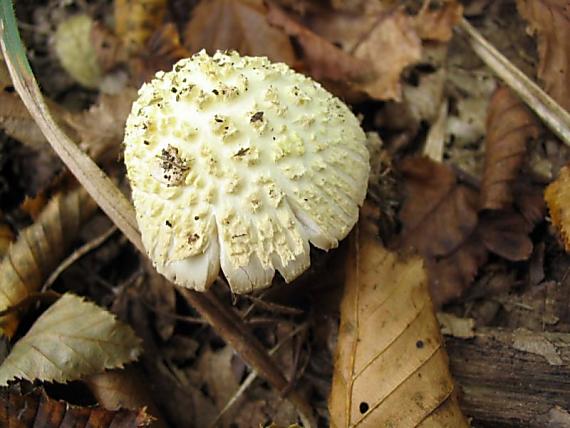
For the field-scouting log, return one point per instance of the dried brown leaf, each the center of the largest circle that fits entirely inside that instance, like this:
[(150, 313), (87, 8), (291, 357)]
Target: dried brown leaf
[(162, 50), (437, 24), (136, 20), (505, 233), (390, 366), (550, 20), (237, 24), (557, 196), (439, 213), (322, 58), (509, 126), (440, 221), (101, 128), (38, 250), (70, 340), (36, 409), (362, 37), (124, 389)]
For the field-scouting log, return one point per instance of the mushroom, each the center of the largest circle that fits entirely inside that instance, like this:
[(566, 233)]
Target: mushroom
[(240, 162)]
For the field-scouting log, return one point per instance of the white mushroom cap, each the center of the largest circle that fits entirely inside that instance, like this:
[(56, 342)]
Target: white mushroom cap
[(240, 162)]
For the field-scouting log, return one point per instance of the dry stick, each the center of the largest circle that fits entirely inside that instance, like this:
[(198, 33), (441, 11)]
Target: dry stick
[(223, 319), (546, 108)]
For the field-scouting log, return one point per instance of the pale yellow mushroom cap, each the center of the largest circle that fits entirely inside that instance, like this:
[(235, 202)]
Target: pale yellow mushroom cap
[(241, 162)]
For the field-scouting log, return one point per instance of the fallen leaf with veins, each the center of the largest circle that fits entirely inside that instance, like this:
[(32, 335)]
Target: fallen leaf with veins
[(70, 340), (509, 127), (390, 365), (550, 21), (38, 250)]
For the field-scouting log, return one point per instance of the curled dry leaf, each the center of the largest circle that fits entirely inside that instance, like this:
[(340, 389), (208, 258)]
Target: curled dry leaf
[(36, 409), (550, 20), (70, 340), (136, 20), (509, 126), (38, 250), (557, 196), (237, 24), (390, 366)]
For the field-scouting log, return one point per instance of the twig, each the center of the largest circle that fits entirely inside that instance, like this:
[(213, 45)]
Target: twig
[(77, 254), (223, 319), (546, 108)]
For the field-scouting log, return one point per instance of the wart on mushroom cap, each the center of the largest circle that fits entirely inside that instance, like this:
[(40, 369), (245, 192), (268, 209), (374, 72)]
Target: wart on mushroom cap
[(240, 162)]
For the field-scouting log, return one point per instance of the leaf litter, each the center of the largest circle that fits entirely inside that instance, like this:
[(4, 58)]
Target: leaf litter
[(474, 215)]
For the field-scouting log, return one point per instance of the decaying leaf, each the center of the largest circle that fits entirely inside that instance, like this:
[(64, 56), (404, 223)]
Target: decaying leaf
[(237, 24), (38, 250), (36, 409), (70, 340), (509, 127), (550, 20), (136, 20), (101, 128), (390, 366), (557, 196)]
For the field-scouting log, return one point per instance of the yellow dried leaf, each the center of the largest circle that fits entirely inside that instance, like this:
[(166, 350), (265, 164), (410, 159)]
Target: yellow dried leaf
[(391, 369), (38, 250), (557, 196), (135, 21), (76, 51), (71, 339)]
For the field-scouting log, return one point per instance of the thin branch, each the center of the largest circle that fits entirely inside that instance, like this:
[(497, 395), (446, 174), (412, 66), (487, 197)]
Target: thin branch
[(547, 109)]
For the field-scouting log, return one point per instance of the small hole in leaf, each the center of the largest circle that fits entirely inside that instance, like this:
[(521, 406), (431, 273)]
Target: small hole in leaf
[(420, 344), (363, 407)]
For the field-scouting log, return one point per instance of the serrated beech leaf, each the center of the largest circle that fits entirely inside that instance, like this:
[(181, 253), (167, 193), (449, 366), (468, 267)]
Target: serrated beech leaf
[(71, 339)]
